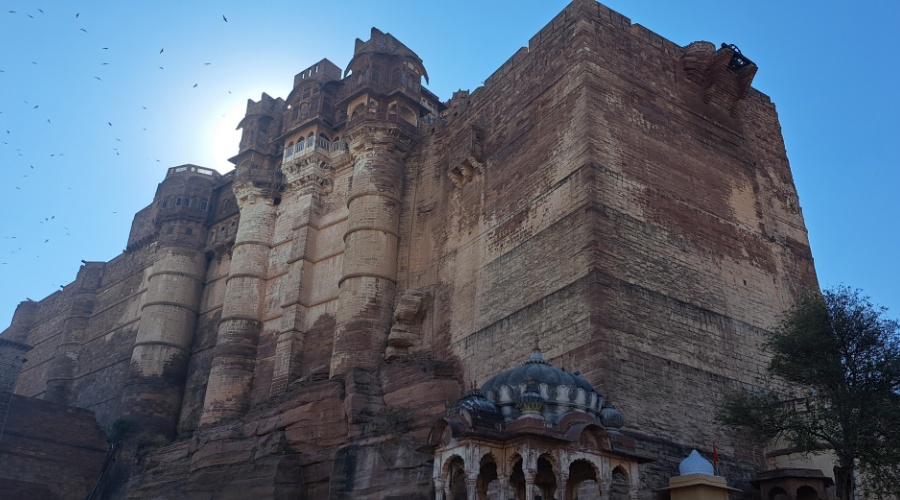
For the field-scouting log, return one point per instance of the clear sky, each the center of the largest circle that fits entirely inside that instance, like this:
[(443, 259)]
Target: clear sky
[(99, 98)]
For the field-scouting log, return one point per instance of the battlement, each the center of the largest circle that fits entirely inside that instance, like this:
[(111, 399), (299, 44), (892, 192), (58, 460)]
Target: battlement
[(321, 71), (193, 169)]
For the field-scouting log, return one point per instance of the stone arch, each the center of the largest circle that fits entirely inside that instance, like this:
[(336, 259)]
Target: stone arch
[(454, 470), (593, 438), (487, 473), (517, 475), (807, 492), (545, 476), (358, 110), (582, 470), (619, 486)]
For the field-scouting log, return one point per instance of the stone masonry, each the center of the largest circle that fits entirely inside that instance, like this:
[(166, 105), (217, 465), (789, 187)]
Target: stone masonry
[(293, 328)]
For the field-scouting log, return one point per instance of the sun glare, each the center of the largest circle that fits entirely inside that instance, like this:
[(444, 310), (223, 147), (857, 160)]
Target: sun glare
[(226, 138)]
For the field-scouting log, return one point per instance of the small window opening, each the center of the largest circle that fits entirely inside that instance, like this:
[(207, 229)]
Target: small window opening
[(189, 231), (187, 202), (178, 202), (203, 205), (276, 201), (165, 203)]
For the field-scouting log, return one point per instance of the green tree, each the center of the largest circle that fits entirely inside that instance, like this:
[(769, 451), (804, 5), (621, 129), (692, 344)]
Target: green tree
[(845, 355)]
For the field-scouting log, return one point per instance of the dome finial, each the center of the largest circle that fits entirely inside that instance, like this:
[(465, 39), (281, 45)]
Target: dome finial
[(530, 403)]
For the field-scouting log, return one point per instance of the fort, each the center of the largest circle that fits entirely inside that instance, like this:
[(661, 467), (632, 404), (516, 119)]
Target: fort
[(346, 314)]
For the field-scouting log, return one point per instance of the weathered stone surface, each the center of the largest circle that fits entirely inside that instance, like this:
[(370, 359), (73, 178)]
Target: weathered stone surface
[(622, 202)]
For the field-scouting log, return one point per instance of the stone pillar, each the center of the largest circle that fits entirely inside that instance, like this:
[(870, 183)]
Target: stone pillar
[(439, 488), (305, 181), (152, 394), (561, 480), (529, 483), (369, 276), (228, 393), (62, 367), (472, 488), (505, 494)]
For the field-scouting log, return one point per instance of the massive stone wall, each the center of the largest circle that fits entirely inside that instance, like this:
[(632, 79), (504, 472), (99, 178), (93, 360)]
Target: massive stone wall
[(622, 202)]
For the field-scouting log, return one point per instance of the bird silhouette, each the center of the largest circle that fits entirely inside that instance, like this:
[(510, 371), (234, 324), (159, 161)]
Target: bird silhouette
[(161, 50), (225, 18), (76, 15), (82, 29), (195, 85), (110, 123), (97, 77)]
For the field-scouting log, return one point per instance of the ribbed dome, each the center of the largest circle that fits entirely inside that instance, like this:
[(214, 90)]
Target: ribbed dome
[(539, 386), (695, 464), (540, 371)]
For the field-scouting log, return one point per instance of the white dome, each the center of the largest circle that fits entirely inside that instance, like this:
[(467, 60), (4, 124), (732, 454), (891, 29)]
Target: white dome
[(695, 464)]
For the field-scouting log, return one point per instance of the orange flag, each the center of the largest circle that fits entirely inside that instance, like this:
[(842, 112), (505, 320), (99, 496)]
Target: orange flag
[(715, 459)]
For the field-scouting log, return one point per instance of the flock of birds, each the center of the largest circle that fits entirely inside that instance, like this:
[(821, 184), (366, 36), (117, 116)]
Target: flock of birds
[(49, 226)]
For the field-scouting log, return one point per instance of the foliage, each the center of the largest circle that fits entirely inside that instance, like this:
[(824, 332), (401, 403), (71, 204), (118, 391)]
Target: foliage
[(844, 351), (117, 430)]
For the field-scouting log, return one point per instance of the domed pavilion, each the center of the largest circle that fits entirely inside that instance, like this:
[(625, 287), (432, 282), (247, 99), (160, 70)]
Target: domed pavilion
[(536, 431)]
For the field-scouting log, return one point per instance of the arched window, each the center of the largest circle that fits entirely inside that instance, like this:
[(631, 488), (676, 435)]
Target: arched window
[(373, 106), (324, 143), (408, 115), (357, 110), (336, 145), (311, 140), (289, 151), (300, 144)]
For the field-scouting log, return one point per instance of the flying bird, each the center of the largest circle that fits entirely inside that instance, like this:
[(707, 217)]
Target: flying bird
[(82, 29), (105, 48), (48, 120), (225, 18), (103, 64), (195, 85), (161, 50), (110, 123), (76, 15), (160, 67), (36, 106), (39, 10), (206, 64), (97, 77)]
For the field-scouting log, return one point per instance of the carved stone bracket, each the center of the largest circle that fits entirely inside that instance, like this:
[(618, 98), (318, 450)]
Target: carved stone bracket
[(407, 328), (309, 174), (467, 157)]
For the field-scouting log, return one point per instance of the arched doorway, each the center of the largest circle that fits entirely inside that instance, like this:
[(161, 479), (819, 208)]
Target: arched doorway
[(487, 474), (544, 479), (456, 479), (582, 483)]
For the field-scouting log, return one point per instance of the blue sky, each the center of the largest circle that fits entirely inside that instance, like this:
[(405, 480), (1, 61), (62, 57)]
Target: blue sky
[(100, 98)]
